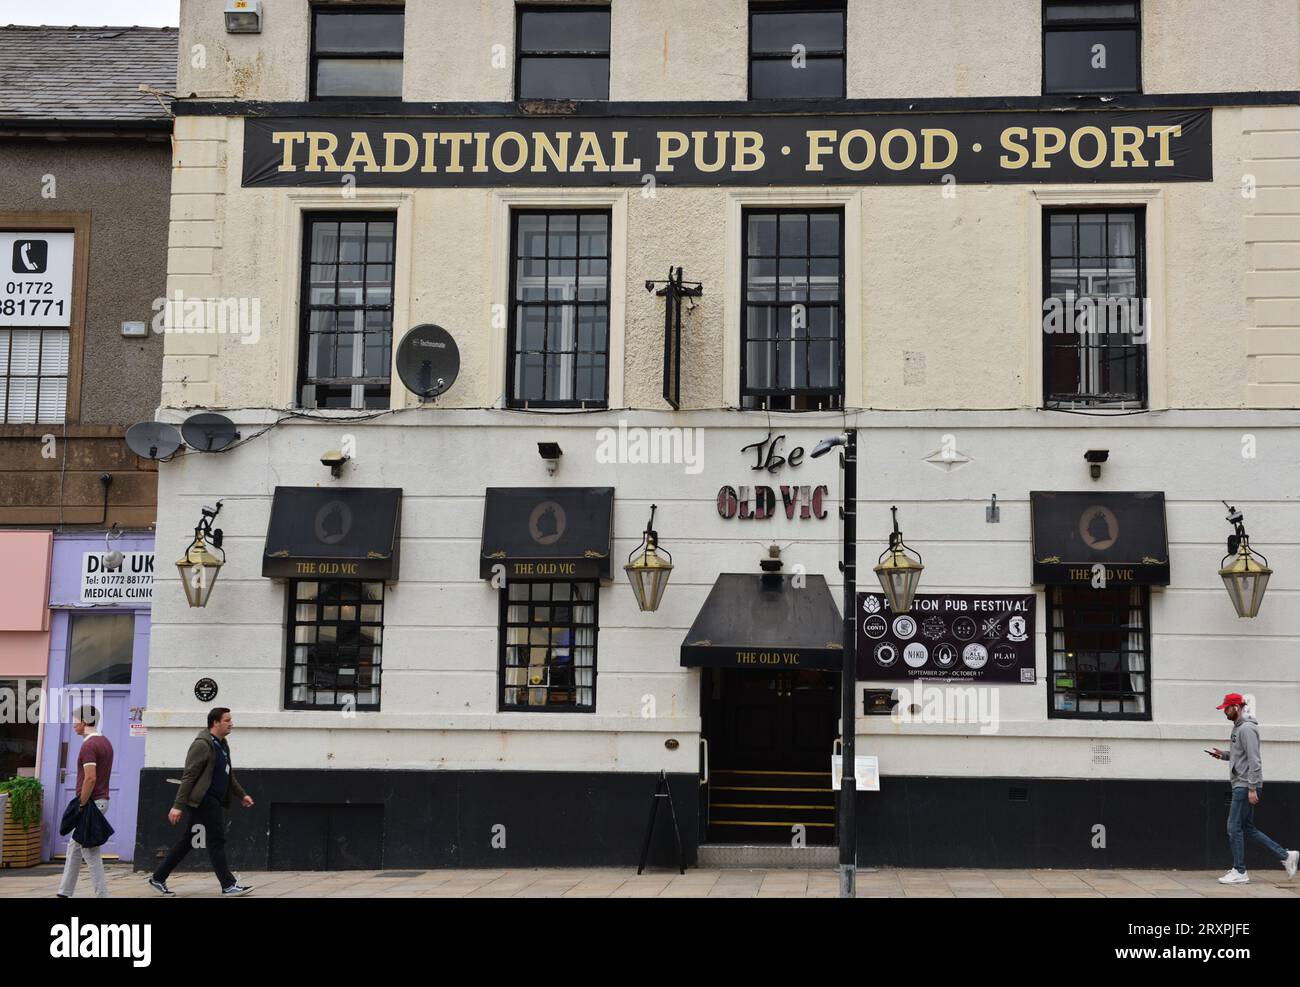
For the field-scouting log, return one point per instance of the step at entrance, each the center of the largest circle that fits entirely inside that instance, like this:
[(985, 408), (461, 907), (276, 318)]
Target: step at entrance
[(763, 807), (769, 857)]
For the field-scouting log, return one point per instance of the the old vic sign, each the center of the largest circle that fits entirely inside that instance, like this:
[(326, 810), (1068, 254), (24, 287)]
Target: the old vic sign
[(847, 149)]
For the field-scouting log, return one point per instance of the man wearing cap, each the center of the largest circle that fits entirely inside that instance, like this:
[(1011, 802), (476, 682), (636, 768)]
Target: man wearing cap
[(1246, 773)]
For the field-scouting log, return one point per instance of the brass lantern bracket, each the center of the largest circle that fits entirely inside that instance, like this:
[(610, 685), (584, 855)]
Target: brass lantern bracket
[(1239, 540), (650, 540), (205, 532), (896, 543)]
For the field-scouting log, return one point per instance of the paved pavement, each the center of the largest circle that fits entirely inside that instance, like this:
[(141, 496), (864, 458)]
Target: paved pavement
[(623, 883)]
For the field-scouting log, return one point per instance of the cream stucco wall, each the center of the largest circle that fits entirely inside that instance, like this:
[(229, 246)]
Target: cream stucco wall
[(698, 49), (945, 281)]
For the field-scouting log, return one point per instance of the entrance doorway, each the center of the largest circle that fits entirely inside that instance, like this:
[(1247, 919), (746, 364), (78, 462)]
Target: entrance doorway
[(770, 734)]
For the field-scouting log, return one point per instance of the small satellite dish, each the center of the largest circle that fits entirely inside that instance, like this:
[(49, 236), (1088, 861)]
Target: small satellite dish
[(208, 432), (428, 361), (153, 440)]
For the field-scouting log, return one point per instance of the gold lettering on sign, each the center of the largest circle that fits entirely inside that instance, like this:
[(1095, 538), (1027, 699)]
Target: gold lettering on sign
[(768, 657), (289, 138)]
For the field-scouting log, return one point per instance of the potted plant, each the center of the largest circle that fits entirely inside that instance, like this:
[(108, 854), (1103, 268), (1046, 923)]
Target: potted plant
[(22, 822)]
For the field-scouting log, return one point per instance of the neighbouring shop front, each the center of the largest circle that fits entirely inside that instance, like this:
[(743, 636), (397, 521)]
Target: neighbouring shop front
[(101, 598)]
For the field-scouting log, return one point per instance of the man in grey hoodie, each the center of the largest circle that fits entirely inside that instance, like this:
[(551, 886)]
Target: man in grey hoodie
[(1246, 772)]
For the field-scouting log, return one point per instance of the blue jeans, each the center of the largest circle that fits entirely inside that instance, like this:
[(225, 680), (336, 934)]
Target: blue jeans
[(1241, 823)]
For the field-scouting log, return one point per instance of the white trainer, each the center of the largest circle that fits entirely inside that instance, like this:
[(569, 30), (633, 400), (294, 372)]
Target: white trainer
[(1291, 862), (1235, 877)]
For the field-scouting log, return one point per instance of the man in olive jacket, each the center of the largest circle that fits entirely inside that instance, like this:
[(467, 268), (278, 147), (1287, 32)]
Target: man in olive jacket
[(206, 787)]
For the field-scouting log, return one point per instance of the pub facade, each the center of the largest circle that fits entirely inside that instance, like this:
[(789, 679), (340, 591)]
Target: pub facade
[(563, 281)]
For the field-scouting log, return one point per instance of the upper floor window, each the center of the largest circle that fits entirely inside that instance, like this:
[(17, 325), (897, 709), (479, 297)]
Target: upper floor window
[(1096, 314), (563, 53), (356, 53), (559, 316), (36, 324), (792, 320), (796, 50), (346, 333), (1091, 47)]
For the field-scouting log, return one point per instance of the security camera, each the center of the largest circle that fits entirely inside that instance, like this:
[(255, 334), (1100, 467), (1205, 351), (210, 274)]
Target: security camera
[(826, 445), (334, 459)]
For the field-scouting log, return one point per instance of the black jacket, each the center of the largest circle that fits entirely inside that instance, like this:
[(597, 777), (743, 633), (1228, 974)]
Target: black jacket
[(88, 826)]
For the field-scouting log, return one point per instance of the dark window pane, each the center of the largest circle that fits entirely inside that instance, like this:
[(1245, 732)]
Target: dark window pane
[(559, 344), (359, 32), (1067, 11), (778, 32), (825, 234), (761, 237), (563, 78), (100, 649), (1069, 60), (360, 77), (563, 30), (780, 78)]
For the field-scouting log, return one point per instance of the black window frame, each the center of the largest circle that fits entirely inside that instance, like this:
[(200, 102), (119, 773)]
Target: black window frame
[(383, 387), (795, 7), (512, 321), (503, 633), (292, 623), (762, 398), (551, 8), (1144, 605), (1142, 401), (1091, 24), (327, 10)]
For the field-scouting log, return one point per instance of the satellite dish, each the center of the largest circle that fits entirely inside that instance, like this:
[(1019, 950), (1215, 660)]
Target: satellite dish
[(428, 361), (153, 440), (208, 432)]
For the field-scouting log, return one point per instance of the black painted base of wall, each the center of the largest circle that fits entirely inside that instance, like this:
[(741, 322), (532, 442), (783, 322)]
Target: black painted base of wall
[(341, 820), (338, 820), (1050, 822)]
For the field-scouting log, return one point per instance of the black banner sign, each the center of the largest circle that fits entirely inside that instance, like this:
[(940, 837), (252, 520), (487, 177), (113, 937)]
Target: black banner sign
[(1101, 538), (878, 149), (948, 637)]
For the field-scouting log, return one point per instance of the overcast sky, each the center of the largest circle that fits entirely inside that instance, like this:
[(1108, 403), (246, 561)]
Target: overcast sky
[(91, 13)]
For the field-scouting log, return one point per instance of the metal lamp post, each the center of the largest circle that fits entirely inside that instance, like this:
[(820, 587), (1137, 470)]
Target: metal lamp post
[(1247, 576), (848, 831), (646, 570)]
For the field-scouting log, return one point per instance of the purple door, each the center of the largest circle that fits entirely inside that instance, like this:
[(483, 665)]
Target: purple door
[(97, 657)]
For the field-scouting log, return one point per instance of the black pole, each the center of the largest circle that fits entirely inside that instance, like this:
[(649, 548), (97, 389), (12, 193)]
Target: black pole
[(848, 832)]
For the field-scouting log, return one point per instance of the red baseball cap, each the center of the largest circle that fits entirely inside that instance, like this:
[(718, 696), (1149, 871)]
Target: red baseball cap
[(1232, 699)]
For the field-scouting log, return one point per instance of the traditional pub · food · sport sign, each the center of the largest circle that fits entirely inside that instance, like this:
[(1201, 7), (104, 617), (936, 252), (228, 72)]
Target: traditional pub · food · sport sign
[(845, 149)]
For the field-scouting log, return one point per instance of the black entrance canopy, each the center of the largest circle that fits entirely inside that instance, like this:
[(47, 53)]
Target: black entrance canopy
[(752, 620), (548, 532), (1125, 532), (333, 533)]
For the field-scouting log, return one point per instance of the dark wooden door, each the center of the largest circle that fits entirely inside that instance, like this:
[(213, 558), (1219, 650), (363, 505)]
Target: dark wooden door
[(781, 720)]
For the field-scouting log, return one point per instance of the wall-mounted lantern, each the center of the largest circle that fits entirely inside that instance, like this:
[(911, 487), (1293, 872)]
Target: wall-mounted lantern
[(646, 569), (198, 566), (1247, 576), (899, 574)]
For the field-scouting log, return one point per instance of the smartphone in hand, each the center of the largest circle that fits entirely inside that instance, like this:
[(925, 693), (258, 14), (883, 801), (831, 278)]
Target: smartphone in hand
[(1213, 754)]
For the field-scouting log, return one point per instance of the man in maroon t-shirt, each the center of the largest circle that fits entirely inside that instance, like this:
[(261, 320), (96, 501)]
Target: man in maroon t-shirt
[(94, 768)]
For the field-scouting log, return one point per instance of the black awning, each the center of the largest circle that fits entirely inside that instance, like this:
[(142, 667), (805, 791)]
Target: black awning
[(751, 622), (333, 533), (548, 532), (1125, 532)]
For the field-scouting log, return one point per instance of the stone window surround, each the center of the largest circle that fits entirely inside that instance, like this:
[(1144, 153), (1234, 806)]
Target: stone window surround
[(294, 205), (1153, 199)]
